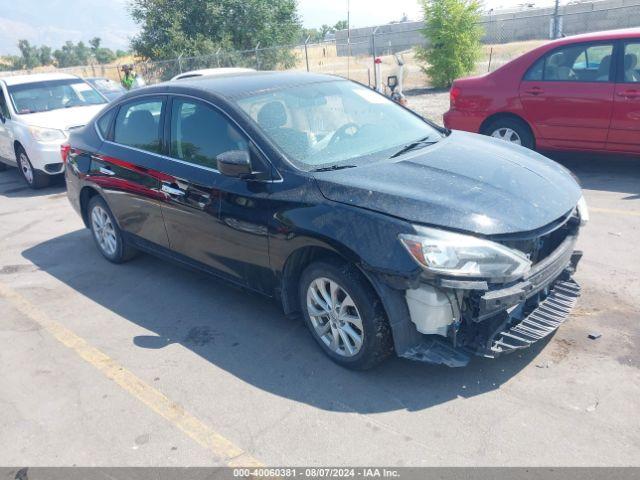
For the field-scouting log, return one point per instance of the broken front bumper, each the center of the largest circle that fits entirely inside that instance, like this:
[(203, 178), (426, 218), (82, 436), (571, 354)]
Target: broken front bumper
[(541, 322), (501, 320)]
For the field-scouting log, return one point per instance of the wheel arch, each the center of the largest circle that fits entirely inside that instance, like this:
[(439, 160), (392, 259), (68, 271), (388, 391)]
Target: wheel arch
[(86, 194), (17, 144), (496, 116), (393, 302)]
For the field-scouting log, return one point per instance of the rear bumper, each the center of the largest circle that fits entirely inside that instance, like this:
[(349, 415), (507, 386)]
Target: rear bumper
[(458, 120)]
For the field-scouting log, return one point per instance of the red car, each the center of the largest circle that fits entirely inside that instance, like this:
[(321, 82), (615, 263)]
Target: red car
[(577, 93)]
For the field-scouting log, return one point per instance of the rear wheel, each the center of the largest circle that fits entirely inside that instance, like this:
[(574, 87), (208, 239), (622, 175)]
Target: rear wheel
[(344, 315), (34, 178), (106, 232), (510, 130)]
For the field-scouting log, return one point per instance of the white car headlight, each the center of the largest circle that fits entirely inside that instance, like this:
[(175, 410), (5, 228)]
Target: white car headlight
[(42, 134), (583, 211), (458, 255)]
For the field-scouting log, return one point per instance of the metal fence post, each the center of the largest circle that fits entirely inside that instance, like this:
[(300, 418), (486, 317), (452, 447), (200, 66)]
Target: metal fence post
[(180, 62), (257, 59), (306, 53), (373, 53)]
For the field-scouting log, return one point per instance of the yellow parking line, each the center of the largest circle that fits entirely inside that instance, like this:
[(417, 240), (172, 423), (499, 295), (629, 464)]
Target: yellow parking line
[(631, 213), (152, 398)]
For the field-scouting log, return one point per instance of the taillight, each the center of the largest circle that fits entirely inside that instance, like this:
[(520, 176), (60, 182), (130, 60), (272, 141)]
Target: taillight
[(64, 151), (454, 94)]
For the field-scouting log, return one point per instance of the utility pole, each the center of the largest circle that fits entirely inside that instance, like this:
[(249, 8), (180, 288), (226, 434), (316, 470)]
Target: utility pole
[(348, 39), (556, 20)]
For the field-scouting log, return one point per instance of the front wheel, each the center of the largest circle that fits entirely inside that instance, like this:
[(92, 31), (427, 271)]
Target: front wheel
[(106, 232), (344, 315), (511, 130), (34, 178)]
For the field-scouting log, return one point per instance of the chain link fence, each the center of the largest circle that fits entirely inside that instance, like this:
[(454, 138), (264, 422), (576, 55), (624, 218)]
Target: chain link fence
[(354, 53)]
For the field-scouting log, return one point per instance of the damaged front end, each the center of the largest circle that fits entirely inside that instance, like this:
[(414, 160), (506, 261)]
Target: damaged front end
[(457, 316)]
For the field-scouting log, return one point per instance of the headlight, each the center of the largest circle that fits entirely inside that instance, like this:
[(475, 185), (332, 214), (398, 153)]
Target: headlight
[(457, 255), (583, 211), (42, 134)]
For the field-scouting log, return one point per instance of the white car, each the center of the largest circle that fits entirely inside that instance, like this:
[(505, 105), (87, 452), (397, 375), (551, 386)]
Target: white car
[(207, 72), (36, 114)]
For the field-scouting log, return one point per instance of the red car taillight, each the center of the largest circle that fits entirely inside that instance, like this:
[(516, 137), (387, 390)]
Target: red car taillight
[(64, 151), (454, 94)]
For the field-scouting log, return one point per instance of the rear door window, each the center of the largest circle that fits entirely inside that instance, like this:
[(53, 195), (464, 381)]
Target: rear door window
[(631, 59), (138, 124), (579, 63)]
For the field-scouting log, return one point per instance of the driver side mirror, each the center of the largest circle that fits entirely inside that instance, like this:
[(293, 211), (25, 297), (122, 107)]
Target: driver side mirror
[(234, 163), (392, 82)]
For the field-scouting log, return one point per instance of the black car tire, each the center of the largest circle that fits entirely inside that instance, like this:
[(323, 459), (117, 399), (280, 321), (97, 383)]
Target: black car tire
[(38, 179), (377, 343), (518, 126), (122, 251)]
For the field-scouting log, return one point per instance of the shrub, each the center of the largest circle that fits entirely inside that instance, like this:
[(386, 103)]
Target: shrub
[(453, 36)]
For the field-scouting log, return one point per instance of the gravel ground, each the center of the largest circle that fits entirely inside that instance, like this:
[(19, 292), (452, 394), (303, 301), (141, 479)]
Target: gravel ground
[(430, 103)]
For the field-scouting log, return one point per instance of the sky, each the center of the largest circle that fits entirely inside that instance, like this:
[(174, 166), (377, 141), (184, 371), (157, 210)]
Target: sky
[(372, 12), (47, 21)]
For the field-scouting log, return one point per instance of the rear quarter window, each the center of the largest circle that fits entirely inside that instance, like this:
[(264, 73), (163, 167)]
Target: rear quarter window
[(104, 123)]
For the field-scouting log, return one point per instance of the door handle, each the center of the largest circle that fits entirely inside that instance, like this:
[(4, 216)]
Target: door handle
[(166, 188), (534, 91), (629, 94), (107, 171)]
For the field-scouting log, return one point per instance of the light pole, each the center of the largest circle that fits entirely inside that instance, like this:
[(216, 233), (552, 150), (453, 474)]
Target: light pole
[(556, 22)]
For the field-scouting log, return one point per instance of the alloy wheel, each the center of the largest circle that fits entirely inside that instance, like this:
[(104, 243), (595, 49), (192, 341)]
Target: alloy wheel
[(26, 169), (104, 231), (335, 317), (508, 135)]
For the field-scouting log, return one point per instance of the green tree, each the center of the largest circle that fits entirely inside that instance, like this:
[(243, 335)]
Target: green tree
[(83, 53), (29, 55), (326, 29), (94, 43), (190, 28), (66, 55), (44, 54), (104, 55), (341, 25), (453, 39)]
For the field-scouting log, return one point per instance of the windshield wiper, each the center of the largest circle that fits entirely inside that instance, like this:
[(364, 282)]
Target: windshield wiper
[(332, 167), (423, 142)]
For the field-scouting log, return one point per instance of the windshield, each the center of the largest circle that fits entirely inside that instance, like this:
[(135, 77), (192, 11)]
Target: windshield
[(329, 123), (52, 95)]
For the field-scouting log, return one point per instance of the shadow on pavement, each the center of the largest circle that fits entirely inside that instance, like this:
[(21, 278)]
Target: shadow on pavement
[(12, 185), (248, 335), (606, 173)]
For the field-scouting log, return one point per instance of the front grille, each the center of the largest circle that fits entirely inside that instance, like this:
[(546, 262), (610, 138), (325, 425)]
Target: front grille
[(541, 322), (539, 247)]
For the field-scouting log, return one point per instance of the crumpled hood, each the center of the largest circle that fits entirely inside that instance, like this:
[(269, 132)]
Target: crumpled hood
[(62, 118), (465, 182)]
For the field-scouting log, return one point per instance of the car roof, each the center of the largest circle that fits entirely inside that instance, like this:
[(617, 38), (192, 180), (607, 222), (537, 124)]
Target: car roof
[(240, 84), (36, 77), (619, 34), (213, 71)]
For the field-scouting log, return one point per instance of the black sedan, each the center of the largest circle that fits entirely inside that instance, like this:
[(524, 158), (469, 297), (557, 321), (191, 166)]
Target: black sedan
[(384, 231)]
